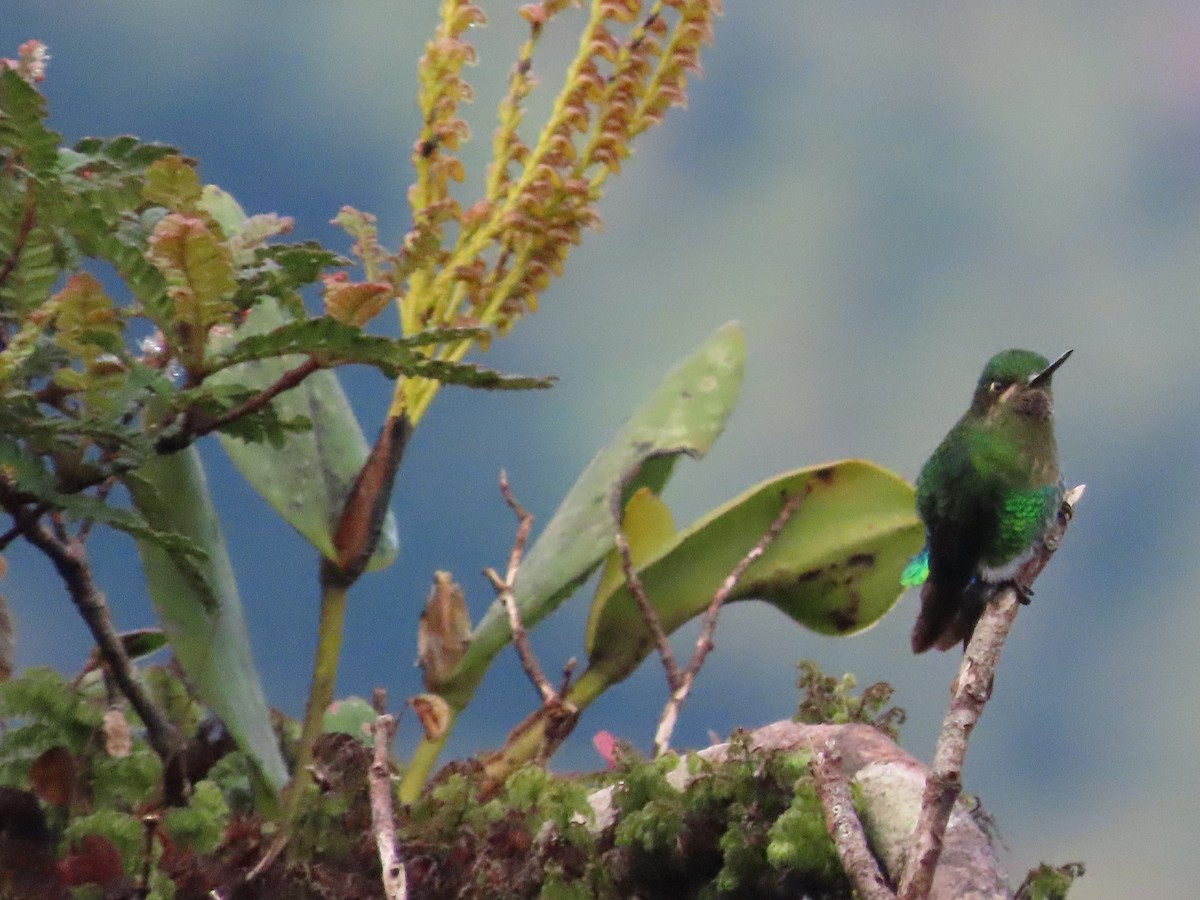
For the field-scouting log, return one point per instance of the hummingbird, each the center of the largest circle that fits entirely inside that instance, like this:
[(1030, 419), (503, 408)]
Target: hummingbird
[(986, 496)]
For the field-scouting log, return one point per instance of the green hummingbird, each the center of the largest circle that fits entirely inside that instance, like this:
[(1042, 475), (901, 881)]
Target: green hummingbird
[(986, 496)]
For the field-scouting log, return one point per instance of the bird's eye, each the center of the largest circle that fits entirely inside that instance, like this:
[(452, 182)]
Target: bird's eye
[(995, 387)]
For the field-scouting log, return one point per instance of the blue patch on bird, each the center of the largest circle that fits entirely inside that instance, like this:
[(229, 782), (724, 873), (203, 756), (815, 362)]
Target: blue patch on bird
[(917, 570)]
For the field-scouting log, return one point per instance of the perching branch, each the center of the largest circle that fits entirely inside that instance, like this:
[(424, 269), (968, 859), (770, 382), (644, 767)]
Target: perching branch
[(971, 691)]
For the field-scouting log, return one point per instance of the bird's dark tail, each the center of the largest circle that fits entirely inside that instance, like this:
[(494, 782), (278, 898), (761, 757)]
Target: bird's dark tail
[(949, 614)]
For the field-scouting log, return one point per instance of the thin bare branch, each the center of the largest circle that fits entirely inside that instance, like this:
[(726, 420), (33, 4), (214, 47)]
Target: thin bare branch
[(972, 689), (682, 686), (833, 790), (197, 427), (383, 822), (649, 615), (70, 559), (504, 588)]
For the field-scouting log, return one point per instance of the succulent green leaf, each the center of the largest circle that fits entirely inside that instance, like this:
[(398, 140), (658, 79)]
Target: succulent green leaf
[(308, 477), (648, 525), (198, 603), (834, 568), (353, 716), (683, 416)]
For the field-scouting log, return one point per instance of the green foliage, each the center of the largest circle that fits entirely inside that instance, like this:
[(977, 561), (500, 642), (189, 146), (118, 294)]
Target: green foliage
[(834, 567), (832, 700), (353, 716), (110, 790), (799, 839), (43, 711), (125, 783), (652, 810), (749, 826), (125, 831), (24, 138), (336, 343), (684, 415), (1048, 882), (70, 375), (200, 826), (198, 603)]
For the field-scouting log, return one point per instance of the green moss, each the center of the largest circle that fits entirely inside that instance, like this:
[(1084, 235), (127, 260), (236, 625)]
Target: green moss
[(200, 826), (124, 830), (832, 700), (1048, 882)]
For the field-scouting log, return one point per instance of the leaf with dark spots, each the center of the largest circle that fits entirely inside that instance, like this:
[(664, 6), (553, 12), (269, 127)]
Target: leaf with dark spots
[(834, 567), (846, 618)]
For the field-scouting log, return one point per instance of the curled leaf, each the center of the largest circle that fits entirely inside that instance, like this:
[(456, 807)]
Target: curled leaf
[(434, 714), (52, 776), (444, 630)]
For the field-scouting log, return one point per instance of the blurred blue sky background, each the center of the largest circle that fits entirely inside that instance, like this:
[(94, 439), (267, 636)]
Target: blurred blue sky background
[(883, 195)]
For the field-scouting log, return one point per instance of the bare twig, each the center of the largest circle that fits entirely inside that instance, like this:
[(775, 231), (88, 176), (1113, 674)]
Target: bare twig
[(383, 823), (504, 588), (150, 824), (972, 689), (196, 426), (682, 686), (833, 790), (649, 616), (268, 858), (70, 560)]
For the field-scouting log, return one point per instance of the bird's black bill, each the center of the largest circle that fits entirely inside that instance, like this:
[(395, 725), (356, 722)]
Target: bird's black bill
[(1043, 376)]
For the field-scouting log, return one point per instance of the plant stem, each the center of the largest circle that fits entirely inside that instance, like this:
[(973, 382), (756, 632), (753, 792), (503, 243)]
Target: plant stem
[(422, 762), (334, 591)]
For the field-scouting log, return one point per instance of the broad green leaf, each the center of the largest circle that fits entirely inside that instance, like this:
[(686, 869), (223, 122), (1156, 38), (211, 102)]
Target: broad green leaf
[(308, 477), (684, 415), (648, 525), (834, 568), (202, 616), (143, 642), (353, 716)]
